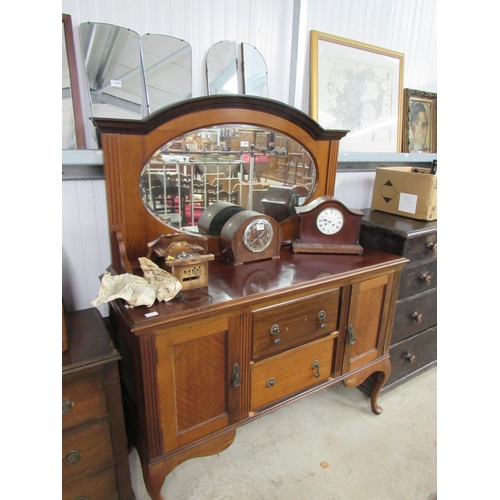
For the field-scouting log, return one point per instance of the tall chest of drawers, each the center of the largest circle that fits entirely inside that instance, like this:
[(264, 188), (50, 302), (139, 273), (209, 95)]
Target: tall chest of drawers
[(414, 338), (94, 446)]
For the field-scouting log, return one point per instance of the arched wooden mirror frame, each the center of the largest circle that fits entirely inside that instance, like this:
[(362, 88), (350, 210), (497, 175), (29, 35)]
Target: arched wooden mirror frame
[(129, 144)]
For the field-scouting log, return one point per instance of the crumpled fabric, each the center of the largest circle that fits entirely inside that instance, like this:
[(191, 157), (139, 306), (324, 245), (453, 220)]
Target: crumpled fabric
[(137, 291), (167, 285)]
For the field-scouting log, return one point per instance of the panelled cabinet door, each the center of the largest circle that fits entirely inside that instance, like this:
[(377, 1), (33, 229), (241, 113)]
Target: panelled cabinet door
[(367, 321), (196, 396)]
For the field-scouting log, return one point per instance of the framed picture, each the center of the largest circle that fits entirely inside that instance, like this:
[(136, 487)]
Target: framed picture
[(420, 118), (357, 87)]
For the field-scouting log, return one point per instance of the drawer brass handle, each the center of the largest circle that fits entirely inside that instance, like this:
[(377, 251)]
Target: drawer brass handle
[(417, 317), (236, 377), (73, 457), (426, 278), (410, 357), (433, 247), (82, 497), (316, 367), (322, 317), (275, 330), (271, 382), (351, 337), (67, 406)]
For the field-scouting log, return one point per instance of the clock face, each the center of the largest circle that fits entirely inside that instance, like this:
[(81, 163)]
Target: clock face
[(330, 221), (258, 235)]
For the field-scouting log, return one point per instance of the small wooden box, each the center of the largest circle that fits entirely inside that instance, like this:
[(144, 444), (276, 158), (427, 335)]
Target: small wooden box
[(192, 271)]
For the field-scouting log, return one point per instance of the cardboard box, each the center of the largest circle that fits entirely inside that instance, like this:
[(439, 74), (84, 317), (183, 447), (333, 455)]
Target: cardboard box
[(407, 191)]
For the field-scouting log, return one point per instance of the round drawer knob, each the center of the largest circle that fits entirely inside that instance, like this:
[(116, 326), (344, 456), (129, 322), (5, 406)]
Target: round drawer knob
[(426, 278), (418, 317), (410, 357), (433, 247), (271, 382), (73, 457), (67, 406)]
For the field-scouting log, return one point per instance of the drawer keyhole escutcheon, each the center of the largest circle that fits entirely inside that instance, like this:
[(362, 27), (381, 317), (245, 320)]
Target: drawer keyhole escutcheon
[(316, 367), (73, 457), (67, 406), (275, 330), (271, 382), (322, 317), (350, 334), (236, 377)]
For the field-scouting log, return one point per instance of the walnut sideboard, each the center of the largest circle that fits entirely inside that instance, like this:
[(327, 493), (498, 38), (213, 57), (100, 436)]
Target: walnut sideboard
[(275, 331)]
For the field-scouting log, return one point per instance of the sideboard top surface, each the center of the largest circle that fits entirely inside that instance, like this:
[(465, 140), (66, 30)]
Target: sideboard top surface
[(234, 286), (396, 224)]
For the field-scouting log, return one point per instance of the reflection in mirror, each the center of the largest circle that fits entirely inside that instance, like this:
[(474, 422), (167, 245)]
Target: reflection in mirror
[(72, 122), (168, 70), (114, 70), (222, 76), (255, 168), (254, 71)]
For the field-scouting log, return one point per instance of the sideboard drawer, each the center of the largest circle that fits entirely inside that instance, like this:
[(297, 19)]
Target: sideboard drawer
[(83, 397), (286, 373), (418, 279), (414, 315), (282, 326), (100, 486), (413, 354), (85, 450)]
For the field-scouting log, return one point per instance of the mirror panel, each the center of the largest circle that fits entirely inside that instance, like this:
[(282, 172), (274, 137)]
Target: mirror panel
[(254, 71), (222, 75), (168, 70), (114, 70), (255, 168)]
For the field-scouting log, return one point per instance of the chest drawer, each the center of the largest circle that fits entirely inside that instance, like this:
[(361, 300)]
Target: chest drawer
[(86, 450), (287, 373), (413, 354), (100, 486), (283, 326), (414, 315), (83, 397), (417, 279)]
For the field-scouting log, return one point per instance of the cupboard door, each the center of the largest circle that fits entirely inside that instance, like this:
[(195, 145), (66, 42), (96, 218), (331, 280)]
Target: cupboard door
[(193, 382), (367, 322)]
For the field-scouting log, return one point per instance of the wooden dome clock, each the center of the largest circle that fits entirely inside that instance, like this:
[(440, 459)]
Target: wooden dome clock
[(326, 225), (249, 236)]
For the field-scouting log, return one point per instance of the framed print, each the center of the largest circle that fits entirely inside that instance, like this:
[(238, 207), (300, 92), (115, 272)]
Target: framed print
[(420, 122), (357, 87)]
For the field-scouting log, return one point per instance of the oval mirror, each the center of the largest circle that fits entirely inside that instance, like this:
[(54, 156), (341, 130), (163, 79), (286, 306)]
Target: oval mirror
[(255, 168), (254, 71), (168, 70), (113, 65), (222, 74)]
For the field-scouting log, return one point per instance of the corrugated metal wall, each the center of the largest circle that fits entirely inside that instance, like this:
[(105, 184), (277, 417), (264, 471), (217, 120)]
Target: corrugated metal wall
[(280, 30)]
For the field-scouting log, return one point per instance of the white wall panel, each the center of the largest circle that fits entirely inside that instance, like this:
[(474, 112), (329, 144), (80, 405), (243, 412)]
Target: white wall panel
[(85, 242)]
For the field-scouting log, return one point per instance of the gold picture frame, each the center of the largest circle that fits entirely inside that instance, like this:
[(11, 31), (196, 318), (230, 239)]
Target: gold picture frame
[(357, 87), (420, 120)]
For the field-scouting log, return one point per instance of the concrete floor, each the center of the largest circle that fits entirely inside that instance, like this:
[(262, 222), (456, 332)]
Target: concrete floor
[(327, 446)]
